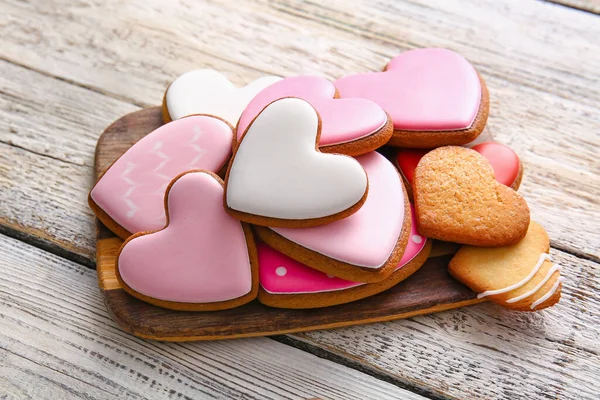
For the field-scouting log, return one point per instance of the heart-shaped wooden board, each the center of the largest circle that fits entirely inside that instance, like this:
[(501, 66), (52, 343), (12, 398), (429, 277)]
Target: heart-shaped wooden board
[(431, 289)]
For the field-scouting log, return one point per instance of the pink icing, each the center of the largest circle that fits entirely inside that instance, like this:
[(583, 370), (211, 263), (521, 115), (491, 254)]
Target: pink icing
[(200, 257), (367, 237), (132, 190), (280, 274), (342, 120), (421, 90)]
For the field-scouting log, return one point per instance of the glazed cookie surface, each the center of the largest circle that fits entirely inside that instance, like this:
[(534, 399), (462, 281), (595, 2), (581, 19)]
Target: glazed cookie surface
[(129, 196), (434, 97), (520, 276), (278, 177), (348, 126), (202, 260), (365, 246), (457, 199), (288, 283), (206, 91)]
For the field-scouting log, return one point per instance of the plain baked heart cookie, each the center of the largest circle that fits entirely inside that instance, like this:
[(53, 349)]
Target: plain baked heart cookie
[(202, 260), (206, 91), (434, 96), (458, 200), (507, 166), (364, 247), (129, 196), (348, 126), (277, 177), (287, 283), (520, 276)]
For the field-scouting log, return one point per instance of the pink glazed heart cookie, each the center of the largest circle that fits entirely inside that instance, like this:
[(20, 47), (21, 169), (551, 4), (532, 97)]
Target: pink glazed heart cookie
[(206, 91), (507, 166), (129, 196), (434, 97), (277, 176), (364, 247), (202, 260), (348, 126), (286, 283)]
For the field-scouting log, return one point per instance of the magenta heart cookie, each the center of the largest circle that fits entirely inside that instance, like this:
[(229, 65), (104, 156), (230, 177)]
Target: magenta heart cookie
[(348, 126), (505, 162), (434, 97), (202, 260), (285, 282), (364, 247), (129, 196)]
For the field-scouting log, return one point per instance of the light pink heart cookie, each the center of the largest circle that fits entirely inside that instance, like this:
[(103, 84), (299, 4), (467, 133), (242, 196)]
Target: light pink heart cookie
[(202, 260), (434, 97), (284, 282), (363, 247), (348, 126), (129, 196)]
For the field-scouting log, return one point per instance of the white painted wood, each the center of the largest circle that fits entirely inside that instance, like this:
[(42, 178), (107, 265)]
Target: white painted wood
[(57, 341), (486, 351), (526, 53)]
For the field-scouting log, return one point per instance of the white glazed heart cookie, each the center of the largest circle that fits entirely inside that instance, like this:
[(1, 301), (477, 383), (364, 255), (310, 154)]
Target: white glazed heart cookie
[(278, 177), (206, 91), (520, 276)]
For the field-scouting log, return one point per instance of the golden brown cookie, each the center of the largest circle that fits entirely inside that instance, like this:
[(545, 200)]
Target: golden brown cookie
[(457, 199), (520, 276)]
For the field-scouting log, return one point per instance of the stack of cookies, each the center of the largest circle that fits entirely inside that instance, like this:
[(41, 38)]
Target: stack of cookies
[(275, 191)]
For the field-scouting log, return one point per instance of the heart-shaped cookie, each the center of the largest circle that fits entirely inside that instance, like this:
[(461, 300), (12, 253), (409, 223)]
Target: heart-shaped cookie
[(206, 91), (520, 276), (278, 177), (202, 260), (433, 96), (364, 247), (285, 282), (458, 200), (505, 162), (348, 126), (129, 196)]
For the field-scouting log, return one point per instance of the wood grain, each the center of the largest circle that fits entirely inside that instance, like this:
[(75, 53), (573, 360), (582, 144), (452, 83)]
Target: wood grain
[(526, 54), (592, 6), (486, 351), (57, 341)]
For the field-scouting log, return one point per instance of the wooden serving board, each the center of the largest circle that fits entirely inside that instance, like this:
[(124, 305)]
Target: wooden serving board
[(430, 289)]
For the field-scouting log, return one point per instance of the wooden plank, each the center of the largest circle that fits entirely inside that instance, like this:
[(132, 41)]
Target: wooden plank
[(486, 351), (532, 89), (56, 338), (592, 6)]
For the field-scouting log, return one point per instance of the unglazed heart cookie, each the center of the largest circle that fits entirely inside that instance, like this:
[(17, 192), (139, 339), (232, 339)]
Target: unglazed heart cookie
[(364, 247), (434, 96), (284, 282), (508, 169), (278, 177), (129, 196), (348, 126), (202, 260), (520, 276), (457, 199), (206, 91)]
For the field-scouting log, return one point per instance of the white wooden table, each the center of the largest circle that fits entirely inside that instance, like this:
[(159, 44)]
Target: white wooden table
[(70, 67)]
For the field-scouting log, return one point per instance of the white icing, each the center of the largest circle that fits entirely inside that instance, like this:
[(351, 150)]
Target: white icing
[(551, 271), (278, 173), (549, 294), (543, 257), (206, 91)]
